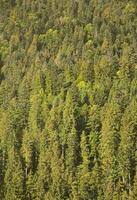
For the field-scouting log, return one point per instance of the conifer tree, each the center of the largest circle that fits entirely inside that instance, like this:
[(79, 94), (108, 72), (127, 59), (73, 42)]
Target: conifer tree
[(14, 181)]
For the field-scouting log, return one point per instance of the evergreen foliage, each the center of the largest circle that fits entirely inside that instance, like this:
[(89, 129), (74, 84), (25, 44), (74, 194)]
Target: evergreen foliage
[(68, 100)]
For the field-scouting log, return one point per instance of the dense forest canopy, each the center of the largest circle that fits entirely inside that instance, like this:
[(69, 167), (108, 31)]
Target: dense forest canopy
[(68, 99)]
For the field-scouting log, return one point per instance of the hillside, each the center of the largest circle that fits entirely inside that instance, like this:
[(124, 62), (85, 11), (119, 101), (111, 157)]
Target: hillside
[(68, 99)]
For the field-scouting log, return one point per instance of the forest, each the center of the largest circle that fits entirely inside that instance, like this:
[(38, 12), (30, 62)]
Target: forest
[(68, 99)]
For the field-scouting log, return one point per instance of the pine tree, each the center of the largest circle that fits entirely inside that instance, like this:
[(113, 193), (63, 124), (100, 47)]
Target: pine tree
[(109, 145), (127, 151), (14, 180)]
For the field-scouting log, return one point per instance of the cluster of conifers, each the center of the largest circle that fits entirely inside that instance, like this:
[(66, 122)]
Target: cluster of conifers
[(68, 100)]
